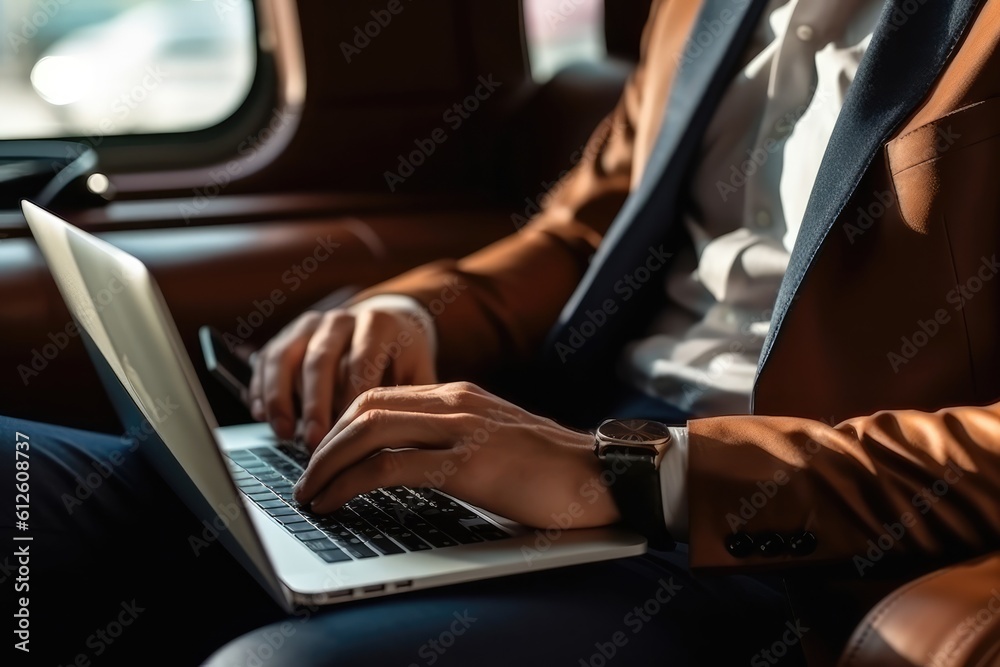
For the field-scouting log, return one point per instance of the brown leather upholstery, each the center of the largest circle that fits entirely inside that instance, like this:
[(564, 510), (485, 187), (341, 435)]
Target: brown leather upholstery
[(949, 618)]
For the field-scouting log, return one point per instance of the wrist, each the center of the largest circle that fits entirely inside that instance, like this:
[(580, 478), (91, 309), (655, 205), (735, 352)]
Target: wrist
[(421, 319), (630, 452)]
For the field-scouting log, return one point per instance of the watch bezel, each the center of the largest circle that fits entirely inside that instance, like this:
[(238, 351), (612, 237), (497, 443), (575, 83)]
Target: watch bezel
[(605, 443)]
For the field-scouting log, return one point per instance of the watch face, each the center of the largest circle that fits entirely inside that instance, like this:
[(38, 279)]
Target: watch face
[(634, 431)]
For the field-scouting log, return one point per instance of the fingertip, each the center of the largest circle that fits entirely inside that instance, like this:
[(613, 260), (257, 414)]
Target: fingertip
[(324, 506), (314, 434), (283, 427), (298, 494)]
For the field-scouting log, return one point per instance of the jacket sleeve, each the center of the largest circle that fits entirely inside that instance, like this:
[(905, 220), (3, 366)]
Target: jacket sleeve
[(894, 484), (498, 303)]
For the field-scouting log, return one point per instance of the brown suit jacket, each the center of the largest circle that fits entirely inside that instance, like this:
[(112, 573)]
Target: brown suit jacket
[(875, 426)]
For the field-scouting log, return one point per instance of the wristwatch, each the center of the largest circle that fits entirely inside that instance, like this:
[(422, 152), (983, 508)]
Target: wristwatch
[(630, 451)]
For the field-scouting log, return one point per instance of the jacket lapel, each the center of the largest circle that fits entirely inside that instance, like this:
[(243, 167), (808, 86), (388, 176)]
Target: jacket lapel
[(649, 213), (908, 50)]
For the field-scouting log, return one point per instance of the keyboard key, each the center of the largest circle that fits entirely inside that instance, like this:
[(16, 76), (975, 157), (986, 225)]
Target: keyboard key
[(312, 535), (271, 504), (295, 452), (284, 511), (261, 496), (437, 538), (317, 545), (333, 555), (384, 545), (288, 469), (410, 541), (299, 527), (355, 547), (290, 518), (492, 534)]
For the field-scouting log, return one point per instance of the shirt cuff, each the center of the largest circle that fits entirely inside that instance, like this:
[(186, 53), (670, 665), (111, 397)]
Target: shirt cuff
[(673, 484), (424, 320)]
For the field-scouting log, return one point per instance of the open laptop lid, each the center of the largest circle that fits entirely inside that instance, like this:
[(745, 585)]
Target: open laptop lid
[(135, 345)]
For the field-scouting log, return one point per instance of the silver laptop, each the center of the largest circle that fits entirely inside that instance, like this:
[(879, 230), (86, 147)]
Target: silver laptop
[(238, 479)]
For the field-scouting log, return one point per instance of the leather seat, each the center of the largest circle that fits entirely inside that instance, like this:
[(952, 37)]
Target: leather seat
[(948, 618)]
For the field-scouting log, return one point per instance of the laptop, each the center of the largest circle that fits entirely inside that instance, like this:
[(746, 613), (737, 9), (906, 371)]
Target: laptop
[(238, 479)]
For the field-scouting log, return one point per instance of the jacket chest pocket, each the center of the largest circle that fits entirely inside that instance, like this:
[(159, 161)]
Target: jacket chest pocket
[(947, 180), (949, 168)]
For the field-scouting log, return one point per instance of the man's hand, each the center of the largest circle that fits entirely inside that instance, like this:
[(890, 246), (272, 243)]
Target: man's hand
[(466, 442), (329, 358)]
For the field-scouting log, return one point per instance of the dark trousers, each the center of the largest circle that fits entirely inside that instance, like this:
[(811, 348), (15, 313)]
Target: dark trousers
[(113, 576)]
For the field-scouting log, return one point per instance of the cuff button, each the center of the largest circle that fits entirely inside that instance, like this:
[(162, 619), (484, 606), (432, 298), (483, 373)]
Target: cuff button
[(771, 544), (739, 545), (802, 544)]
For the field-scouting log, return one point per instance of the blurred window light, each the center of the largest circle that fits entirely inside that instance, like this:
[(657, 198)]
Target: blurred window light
[(96, 68), (560, 32)]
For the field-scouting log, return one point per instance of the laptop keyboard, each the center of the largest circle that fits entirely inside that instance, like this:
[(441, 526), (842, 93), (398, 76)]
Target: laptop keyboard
[(381, 523)]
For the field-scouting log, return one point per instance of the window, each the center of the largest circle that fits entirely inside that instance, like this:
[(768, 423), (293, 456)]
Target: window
[(112, 67), (560, 32)]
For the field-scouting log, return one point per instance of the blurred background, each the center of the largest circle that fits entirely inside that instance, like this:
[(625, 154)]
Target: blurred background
[(103, 67), (94, 68), (560, 32)]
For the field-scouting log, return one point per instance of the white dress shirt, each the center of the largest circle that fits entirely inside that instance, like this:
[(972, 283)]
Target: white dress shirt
[(759, 160)]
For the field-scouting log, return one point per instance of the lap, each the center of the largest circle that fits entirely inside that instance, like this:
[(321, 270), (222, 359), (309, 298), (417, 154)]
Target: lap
[(108, 535), (638, 611)]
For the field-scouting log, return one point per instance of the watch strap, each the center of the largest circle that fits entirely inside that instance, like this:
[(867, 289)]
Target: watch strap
[(635, 486)]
